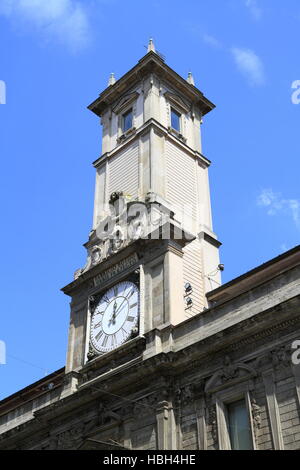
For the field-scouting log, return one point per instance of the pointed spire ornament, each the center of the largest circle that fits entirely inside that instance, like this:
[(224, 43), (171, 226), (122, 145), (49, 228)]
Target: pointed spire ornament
[(151, 47), (190, 79), (112, 79)]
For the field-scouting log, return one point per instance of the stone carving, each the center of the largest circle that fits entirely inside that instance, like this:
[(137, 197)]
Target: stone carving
[(70, 439), (256, 416), (230, 372), (125, 221), (96, 255), (107, 417), (212, 421), (117, 241), (184, 395), (116, 269), (91, 352), (281, 357), (115, 196)]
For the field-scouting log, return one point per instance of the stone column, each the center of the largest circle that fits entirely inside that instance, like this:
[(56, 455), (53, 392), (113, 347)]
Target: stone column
[(273, 410), (201, 424), (162, 416)]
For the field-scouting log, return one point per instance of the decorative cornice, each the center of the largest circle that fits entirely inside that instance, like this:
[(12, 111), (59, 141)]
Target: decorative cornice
[(150, 63), (152, 123), (124, 102), (231, 373), (178, 101)]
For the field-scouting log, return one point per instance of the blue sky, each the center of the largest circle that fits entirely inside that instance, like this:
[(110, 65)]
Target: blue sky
[(56, 57)]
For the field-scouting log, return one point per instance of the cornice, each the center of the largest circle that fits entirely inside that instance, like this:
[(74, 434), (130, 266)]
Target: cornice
[(150, 63), (152, 124), (256, 277)]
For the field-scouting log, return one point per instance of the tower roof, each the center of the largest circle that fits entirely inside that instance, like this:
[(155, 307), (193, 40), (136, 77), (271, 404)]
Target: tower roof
[(150, 63)]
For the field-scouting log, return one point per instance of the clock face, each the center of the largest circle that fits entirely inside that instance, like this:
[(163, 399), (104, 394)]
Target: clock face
[(115, 316)]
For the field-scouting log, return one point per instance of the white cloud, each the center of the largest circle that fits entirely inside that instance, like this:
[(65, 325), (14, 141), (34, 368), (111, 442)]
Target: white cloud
[(249, 65), (275, 204), (62, 21), (211, 41), (255, 11)]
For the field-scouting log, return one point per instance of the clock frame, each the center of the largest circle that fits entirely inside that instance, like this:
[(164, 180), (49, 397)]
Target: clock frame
[(114, 316)]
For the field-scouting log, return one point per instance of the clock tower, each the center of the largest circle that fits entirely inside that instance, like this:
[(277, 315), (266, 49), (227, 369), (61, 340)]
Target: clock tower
[(152, 254), (160, 356)]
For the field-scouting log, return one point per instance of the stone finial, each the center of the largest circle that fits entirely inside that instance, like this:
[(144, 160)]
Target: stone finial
[(190, 79), (151, 46), (112, 79)]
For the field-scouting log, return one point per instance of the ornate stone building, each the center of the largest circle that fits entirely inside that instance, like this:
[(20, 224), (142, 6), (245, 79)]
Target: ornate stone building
[(160, 354)]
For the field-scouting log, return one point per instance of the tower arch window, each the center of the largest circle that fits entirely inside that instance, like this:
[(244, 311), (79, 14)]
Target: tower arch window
[(178, 111), (175, 120), (124, 115), (127, 120)]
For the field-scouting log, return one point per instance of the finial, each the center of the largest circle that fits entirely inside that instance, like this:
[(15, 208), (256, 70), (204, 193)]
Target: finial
[(112, 79), (151, 46), (190, 79)]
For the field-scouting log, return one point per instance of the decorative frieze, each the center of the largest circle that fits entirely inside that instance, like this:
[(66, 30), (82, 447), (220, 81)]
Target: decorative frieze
[(70, 439), (185, 395), (212, 421), (256, 412), (126, 263)]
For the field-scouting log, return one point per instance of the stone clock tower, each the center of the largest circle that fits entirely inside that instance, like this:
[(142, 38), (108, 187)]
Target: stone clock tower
[(160, 356), (151, 254)]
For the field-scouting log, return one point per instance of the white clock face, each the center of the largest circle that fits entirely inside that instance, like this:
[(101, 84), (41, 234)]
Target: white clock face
[(115, 316)]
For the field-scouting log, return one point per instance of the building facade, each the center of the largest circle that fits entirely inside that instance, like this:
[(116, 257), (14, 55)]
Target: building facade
[(160, 354)]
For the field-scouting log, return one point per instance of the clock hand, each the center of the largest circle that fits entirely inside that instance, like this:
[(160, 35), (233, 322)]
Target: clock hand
[(125, 298), (113, 314), (114, 311), (118, 311)]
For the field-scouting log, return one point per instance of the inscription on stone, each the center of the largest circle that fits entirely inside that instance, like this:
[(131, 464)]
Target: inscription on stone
[(116, 269)]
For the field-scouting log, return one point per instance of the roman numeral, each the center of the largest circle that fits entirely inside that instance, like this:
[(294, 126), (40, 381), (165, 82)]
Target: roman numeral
[(130, 294), (133, 305), (115, 291), (106, 299), (104, 342), (98, 336), (125, 333), (99, 313), (130, 318), (97, 325), (113, 340)]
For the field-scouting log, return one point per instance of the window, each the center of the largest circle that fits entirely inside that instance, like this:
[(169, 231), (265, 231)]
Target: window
[(175, 120), (127, 120), (239, 426)]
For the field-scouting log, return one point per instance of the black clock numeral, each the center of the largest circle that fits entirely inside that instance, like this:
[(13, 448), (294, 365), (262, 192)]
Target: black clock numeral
[(106, 299), (125, 333), (101, 312), (131, 319), (113, 340), (98, 324), (98, 336), (115, 291), (104, 342), (133, 305), (130, 294)]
